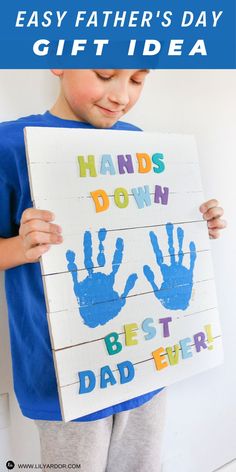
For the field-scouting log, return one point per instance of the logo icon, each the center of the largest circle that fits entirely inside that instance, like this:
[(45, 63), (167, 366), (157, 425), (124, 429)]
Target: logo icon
[(10, 465)]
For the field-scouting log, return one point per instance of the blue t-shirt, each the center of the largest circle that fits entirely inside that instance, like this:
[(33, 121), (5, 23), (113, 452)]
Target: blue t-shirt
[(33, 369)]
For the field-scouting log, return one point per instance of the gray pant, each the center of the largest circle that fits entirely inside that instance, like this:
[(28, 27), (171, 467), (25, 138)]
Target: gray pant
[(129, 441)]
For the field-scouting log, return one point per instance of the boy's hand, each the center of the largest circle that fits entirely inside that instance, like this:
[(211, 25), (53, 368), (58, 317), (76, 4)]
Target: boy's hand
[(212, 212), (38, 233)]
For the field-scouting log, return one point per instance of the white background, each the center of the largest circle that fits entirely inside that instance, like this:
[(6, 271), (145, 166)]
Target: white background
[(201, 414)]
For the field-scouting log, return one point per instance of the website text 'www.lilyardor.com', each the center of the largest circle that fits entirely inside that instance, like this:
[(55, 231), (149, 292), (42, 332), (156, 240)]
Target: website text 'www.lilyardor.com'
[(49, 466)]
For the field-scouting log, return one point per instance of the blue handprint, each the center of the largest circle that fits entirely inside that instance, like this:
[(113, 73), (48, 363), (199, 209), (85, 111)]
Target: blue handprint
[(176, 289), (98, 301)]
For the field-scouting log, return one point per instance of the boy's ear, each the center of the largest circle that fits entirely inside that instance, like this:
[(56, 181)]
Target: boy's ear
[(57, 72)]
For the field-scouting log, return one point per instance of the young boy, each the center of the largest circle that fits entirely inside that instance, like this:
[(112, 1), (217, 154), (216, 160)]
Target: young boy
[(120, 438)]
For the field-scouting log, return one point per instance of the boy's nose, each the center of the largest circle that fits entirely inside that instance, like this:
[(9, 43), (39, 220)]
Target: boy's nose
[(120, 95)]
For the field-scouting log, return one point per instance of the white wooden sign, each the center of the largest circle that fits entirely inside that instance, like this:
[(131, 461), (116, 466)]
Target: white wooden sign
[(130, 292)]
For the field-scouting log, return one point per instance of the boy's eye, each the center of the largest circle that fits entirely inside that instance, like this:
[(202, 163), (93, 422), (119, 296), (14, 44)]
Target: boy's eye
[(103, 77), (137, 82)]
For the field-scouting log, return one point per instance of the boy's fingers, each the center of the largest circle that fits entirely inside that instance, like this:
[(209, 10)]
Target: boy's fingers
[(215, 212), (209, 204), (217, 223), (37, 237), (34, 253), (212, 213), (38, 225), (214, 234), (34, 213)]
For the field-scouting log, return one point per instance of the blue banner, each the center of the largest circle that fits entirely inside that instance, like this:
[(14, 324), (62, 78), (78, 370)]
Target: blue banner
[(164, 34)]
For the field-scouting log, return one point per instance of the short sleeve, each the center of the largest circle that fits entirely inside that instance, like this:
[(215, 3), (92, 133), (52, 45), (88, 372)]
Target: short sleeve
[(8, 228)]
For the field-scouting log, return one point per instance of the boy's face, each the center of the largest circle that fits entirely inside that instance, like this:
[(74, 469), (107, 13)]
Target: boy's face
[(99, 96)]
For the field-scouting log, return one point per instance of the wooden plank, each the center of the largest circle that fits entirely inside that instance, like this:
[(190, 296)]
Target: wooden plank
[(94, 355), (60, 290), (54, 261), (47, 145), (180, 209), (68, 328), (147, 379), (74, 187)]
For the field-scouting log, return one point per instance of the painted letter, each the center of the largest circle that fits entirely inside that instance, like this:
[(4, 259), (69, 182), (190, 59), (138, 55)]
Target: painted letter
[(173, 356), (110, 377), (144, 163), (100, 206), (186, 348), (165, 322), (113, 346), (210, 338), (157, 159), (151, 330), (130, 334), (130, 371), (199, 341), (162, 195), (82, 381), (142, 195), (159, 359), (117, 197), (125, 162), (90, 165), (107, 165)]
